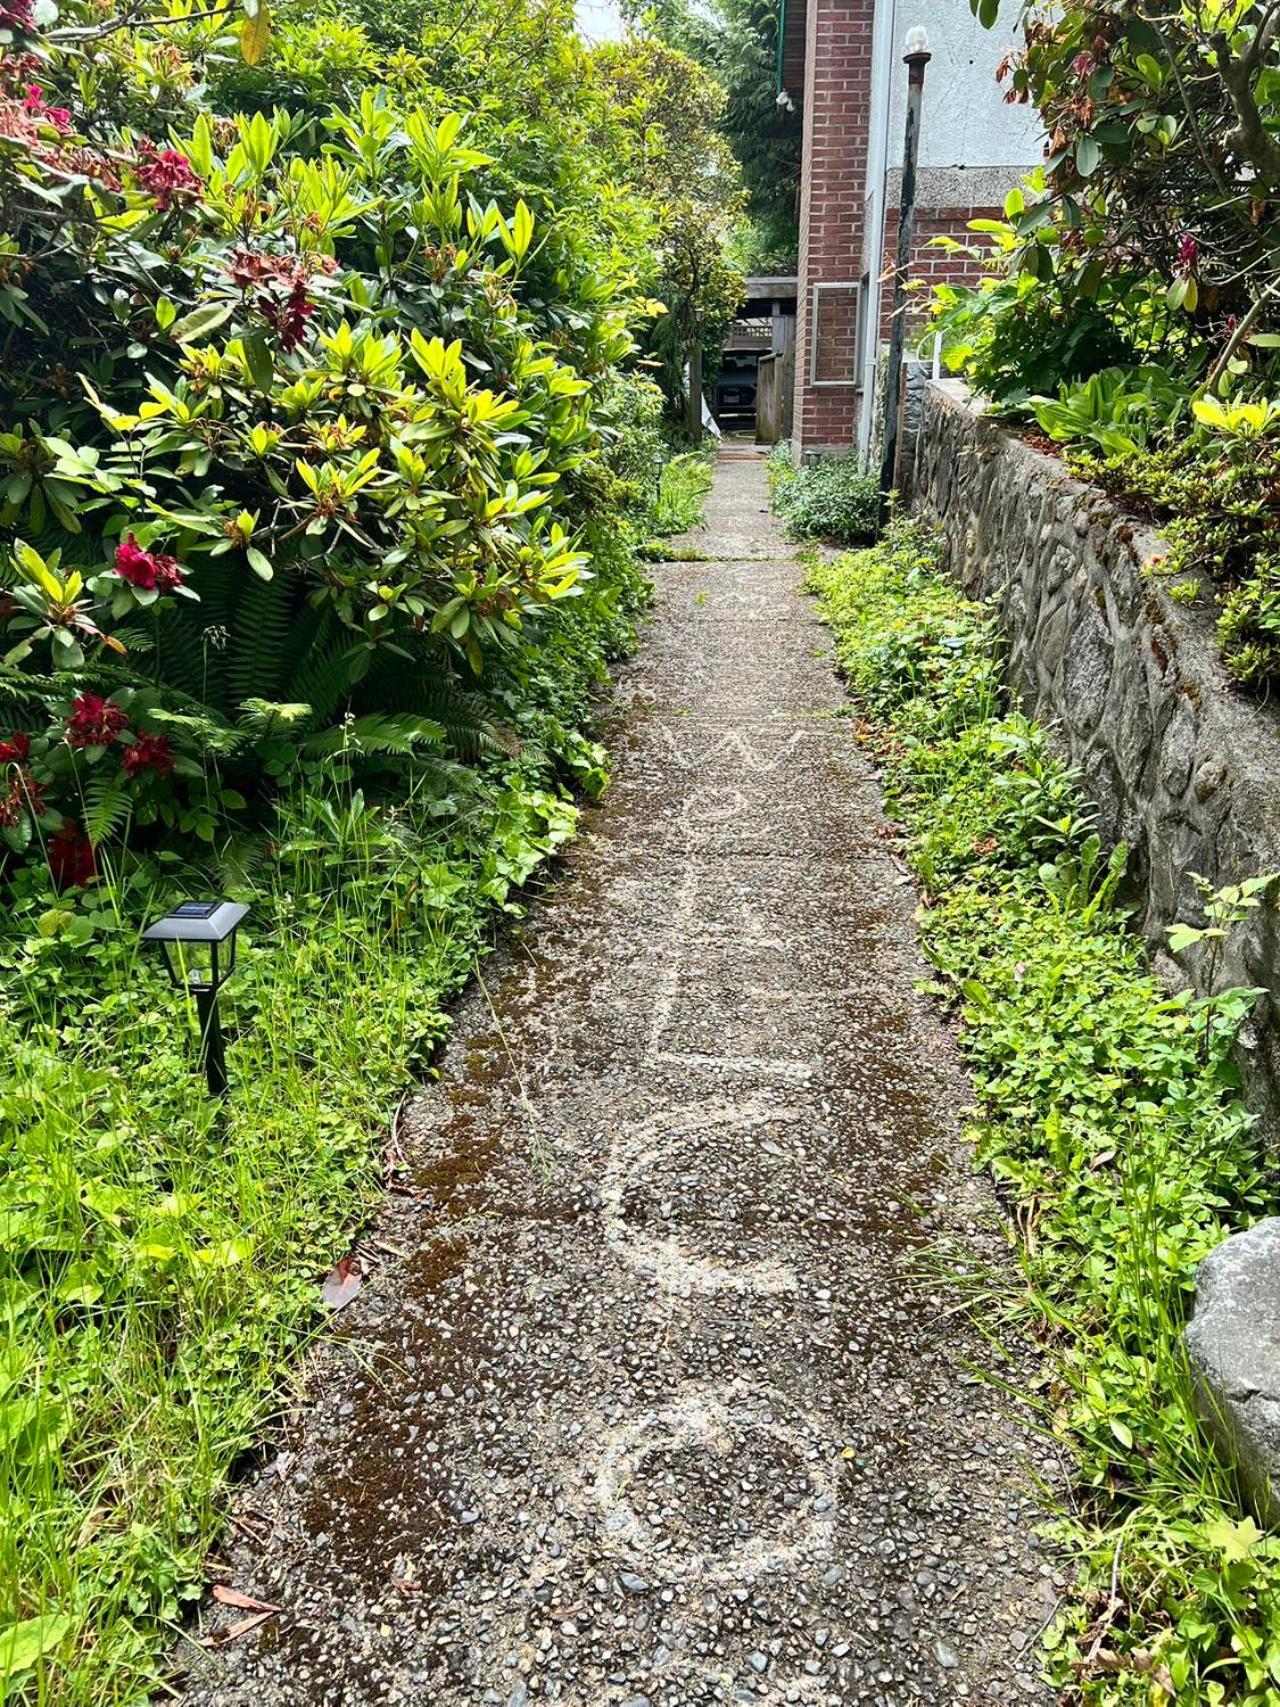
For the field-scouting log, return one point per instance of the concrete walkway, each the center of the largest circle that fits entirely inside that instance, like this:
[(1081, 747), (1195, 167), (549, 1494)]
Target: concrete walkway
[(651, 1402)]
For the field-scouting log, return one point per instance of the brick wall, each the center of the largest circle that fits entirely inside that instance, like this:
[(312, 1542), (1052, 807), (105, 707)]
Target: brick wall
[(837, 95), (930, 265)]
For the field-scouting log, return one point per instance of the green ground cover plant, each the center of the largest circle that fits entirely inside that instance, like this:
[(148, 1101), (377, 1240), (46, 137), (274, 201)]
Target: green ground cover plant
[(834, 499), (1108, 1112), (160, 1254)]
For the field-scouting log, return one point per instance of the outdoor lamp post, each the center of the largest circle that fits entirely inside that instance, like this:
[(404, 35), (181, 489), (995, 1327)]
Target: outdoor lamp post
[(916, 57), (201, 925)]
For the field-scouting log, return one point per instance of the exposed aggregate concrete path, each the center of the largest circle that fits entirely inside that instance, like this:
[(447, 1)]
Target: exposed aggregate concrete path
[(651, 1405)]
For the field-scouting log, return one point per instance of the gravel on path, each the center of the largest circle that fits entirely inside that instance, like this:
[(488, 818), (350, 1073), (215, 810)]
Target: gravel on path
[(656, 1399)]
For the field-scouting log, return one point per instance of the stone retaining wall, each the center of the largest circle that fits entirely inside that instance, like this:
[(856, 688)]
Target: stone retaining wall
[(1181, 766)]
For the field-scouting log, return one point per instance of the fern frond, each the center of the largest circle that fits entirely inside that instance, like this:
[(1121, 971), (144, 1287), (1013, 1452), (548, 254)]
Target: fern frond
[(376, 733), (108, 807)]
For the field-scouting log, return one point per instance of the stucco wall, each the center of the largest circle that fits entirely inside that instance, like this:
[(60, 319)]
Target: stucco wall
[(966, 120), (1180, 766)]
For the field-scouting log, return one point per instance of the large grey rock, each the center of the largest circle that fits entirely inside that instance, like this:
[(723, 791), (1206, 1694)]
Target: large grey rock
[(1233, 1342)]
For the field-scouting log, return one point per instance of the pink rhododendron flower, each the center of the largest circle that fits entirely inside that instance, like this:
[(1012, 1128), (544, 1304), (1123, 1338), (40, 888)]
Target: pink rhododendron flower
[(153, 571), (148, 753), (95, 722), (38, 107)]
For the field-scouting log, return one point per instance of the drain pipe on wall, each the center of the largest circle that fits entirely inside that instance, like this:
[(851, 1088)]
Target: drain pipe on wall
[(915, 58), (884, 33)]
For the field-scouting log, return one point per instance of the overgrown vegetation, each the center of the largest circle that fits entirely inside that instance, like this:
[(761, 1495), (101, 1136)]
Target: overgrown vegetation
[(682, 491), (835, 499), (325, 467), (1108, 1114), (1133, 309)]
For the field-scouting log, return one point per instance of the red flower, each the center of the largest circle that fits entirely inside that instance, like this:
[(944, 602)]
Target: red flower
[(166, 177), (154, 571), (16, 750), (280, 283), (148, 753), (24, 794), (38, 107), (1084, 64), (16, 14), (1188, 250), (95, 722), (71, 861)]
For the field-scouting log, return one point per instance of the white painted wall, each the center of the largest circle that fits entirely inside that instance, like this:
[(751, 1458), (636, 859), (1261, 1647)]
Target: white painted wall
[(966, 120)]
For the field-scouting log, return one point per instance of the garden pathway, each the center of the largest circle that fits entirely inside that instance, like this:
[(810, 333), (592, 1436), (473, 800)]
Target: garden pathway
[(649, 1402)]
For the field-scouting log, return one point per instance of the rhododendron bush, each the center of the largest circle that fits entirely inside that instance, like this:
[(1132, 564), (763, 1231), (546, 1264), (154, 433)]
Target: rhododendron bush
[(306, 420)]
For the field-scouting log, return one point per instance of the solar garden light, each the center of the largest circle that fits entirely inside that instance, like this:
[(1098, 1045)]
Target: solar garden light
[(200, 925)]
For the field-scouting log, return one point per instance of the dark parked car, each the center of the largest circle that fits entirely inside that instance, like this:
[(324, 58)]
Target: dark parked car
[(736, 390)]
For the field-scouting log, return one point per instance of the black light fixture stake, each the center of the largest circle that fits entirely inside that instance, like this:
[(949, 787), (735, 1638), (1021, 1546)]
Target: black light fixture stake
[(211, 925), (915, 59)]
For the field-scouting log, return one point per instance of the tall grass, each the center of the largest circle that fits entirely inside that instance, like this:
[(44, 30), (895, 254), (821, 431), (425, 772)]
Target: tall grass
[(682, 491)]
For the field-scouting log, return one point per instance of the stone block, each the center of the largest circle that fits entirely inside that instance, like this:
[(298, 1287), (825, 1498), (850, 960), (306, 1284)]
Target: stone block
[(1233, 1343)]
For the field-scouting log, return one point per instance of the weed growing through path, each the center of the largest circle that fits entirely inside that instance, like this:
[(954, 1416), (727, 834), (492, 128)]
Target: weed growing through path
[(1109, 1115)]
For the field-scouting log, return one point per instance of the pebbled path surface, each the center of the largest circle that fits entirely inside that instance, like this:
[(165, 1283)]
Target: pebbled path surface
[(653, 1402)]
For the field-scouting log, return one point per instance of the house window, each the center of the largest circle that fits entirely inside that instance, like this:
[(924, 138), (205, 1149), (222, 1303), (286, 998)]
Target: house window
[(836, 340)]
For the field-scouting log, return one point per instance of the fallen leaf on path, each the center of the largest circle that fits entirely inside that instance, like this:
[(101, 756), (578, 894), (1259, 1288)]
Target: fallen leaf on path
[(342, 1283), (246, 1602), (243, 1626)]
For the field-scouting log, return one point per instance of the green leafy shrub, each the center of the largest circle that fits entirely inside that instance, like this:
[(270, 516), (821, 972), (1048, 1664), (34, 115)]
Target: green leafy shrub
[(1009, 335), (1109, 1115), (1117, 409), (834, 498), (334, 450), (1144, 247)]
